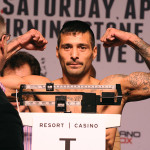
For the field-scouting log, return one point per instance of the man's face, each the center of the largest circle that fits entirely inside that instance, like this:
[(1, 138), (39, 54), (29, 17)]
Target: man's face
[(76, 54)]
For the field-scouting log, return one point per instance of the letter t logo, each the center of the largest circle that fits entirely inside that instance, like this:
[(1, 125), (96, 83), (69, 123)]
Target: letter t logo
[(67, 142)]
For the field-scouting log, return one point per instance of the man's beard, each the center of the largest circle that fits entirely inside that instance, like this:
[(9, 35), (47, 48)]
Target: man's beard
[(79, 73)]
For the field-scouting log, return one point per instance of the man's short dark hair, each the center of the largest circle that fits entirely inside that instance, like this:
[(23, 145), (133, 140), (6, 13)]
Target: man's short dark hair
[(76, 26), (21, 58)]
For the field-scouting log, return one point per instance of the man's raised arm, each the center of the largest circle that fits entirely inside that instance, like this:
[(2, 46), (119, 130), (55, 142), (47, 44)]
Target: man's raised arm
[(31, 40), (115, 37), (135, 86)]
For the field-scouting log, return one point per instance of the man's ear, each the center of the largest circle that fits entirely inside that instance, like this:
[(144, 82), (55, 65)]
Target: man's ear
[(2, 46), (57, 52), (94, 52)]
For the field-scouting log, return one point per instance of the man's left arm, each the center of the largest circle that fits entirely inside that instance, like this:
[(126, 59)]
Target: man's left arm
[(136, 86), (31, 40), (115, 37), (140, 47)]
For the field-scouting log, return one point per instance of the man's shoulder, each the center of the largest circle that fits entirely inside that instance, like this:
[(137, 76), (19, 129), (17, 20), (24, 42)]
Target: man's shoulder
[(95, 81), (57, 81), (113, 79)]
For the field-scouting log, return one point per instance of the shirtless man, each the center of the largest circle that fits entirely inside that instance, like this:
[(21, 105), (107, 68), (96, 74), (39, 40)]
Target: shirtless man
[(76, 50)]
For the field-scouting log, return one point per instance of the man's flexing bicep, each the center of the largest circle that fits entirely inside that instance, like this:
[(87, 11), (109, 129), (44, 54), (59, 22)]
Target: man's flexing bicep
[(136, 86)]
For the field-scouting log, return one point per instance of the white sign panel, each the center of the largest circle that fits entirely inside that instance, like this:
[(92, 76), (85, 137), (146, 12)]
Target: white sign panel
[(68, 132)]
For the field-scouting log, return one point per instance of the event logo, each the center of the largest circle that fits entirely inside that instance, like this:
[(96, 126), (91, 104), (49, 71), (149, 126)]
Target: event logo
[(67, 142), (127, 137)]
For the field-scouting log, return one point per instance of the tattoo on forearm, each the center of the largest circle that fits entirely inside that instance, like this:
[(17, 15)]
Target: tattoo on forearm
[(139, 45), (142, 48)]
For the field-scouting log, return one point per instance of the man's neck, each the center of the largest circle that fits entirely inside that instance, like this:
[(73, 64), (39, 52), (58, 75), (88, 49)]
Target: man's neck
[(76, 80)]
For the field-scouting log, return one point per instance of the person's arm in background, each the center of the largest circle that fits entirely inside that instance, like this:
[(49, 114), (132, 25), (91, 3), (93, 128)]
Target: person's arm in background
[(31, 40), (13, 82)]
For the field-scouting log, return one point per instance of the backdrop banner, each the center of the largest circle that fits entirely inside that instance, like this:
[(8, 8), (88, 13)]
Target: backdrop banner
[(48, 17)]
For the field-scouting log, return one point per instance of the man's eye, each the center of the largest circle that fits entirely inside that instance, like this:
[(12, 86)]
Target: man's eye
[(83, 47), (66, 47)]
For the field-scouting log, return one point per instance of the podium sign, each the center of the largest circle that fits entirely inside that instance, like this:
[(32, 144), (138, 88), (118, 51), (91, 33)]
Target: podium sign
[(60, 131)]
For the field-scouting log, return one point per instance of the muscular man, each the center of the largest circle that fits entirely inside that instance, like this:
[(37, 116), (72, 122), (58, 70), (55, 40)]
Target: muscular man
[(11, 131), (76, 50)]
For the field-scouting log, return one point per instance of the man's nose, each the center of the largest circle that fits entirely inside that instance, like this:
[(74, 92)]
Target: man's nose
[(74, 54)]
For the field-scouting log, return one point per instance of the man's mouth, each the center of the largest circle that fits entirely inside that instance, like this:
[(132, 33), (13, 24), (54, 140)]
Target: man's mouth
[(74, 64)]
